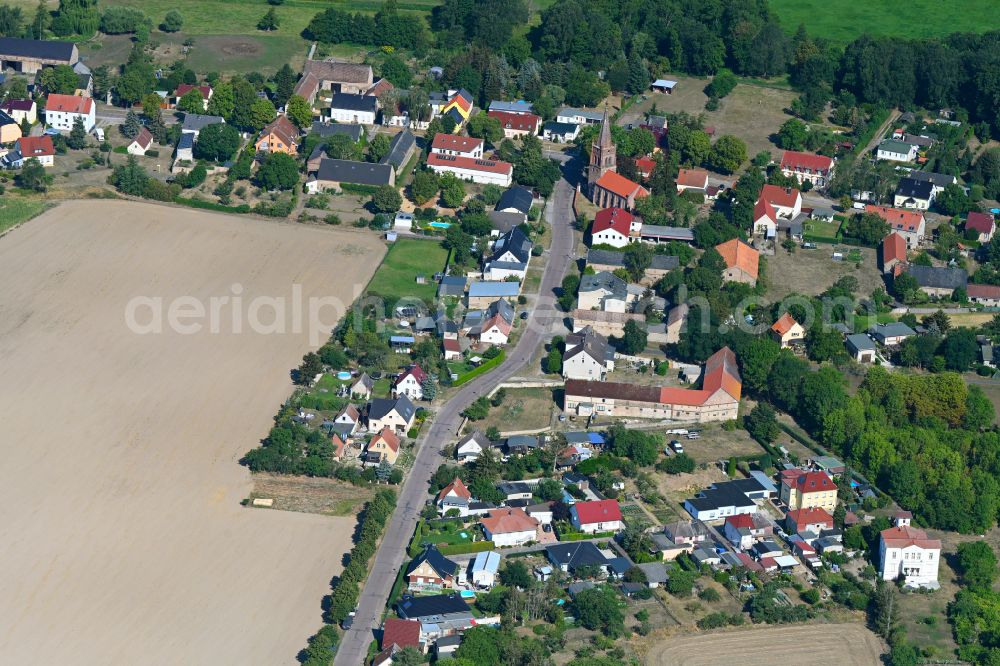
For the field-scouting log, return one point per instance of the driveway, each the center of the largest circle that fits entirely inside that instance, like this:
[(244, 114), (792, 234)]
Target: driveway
[(444, 429)]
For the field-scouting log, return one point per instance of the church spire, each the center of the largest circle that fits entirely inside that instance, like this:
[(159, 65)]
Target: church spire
[(605, 140)]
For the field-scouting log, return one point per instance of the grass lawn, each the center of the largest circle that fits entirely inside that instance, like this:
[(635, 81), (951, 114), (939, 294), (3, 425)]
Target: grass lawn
[(821, 229), (971, 319), (844, 20), (14, 210), (406, 259)]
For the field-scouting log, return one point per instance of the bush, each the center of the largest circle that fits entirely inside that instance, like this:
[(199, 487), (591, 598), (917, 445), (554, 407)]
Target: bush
[(332, 218)]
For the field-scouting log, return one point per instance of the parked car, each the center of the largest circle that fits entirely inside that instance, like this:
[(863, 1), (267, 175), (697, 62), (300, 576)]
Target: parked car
[(693, 435), (677, 446)]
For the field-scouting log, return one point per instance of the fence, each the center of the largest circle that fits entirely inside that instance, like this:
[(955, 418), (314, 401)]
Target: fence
[(481, 370)]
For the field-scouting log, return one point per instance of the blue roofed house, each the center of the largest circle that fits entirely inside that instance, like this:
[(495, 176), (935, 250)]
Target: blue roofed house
[(520, 106), (483, 570)]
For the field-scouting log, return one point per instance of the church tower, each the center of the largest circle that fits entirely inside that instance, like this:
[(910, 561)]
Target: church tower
[(602, 154)]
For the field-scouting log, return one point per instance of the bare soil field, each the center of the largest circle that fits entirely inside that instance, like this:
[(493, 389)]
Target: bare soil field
[(125, 541), (818, 644)]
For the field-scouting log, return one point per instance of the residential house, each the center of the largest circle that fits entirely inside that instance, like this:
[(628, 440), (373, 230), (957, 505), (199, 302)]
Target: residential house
[(982, 223), (339, 446), (31, 55), (10, 129), (938, 180), (184, 88), (509, 527), (348, 421), (457, 146), (541, 512), (587, 356), (645, 166), (612, 190), (516, 199), (914, 194), (603, 291), (327, 130), (20, 110), (333, 75), (279, 136), (807, 167), (610, 261), (363, 386), (909, 224), (897, 151), (742, 261), (606, 323), (692, 179), (802, 489), (520, 107), (571, 556), (891, 334), (452, 285), (510, 256), (814, 519), (907, 554), (410, 383), (578, 116), (676, 320), (430, 570), (517, 490), (483, 294), (498, 323), (940, 281), (471, 446), (597, 516), (483, 570), (860, 347), (558, 132), (745, 528), (446, 647), (984, 294), (401, 149), (383, 447), (774, 204), (332, 173), (686, 532), (482, 171), (40, 148), (401, 633), (142, 142), (663, 86), (459, 107), (353, 108), (62, 111), (787, 332), (194, 123), (398, 414), (892, 254), (448, 611), (717, 400), (729, 498), (615, 227), (516, 125)]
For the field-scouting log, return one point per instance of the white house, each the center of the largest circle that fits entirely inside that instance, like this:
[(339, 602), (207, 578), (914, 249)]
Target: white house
[(460, 146), (350, 108), (509, 527), (61, 111), (817, 169), (471, 446), (774, 204), (615, 227), (897, 151), (495, 330), (579, 116), (483, 571), (596, 516), (905, 553), (587, 356), (141, 143), (484, 172), (410, 383)]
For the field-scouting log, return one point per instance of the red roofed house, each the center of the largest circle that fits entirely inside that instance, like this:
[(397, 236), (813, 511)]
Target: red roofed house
[(817, 169), (517, 124), (984, 294), (456, 488), (38, 147), (717, 400), (743, 528), (453, 144), (280, 136), (802, 490), (509, 527), (645, 166), (614, 226), (61, 111), (742, 261), (813, 519), (142, 142), (773, 204), (452, 349), (185, 88), (909, 224), (596, 516), (384, 445), (495, 330), (410, 383), (905, 553), (981, 222), (787, 332), (696, 179), (613, 190), (402, 633), (339, 446), (893, 254), (484, 172)]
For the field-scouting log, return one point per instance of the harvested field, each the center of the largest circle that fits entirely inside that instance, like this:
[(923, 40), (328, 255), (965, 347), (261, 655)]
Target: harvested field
[(126, 542), (817, 644), (329, 497)]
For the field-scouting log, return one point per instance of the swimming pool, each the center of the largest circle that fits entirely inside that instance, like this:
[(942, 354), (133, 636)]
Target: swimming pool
[(468, 594), (439, 225), (343, 375)]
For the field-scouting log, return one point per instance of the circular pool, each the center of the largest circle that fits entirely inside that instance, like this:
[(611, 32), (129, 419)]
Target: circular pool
[(343, 375)]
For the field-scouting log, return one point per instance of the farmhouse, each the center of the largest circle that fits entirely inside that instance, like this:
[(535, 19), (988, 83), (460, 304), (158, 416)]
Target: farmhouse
[(460, 146), (30, 55), (588, 356), (61, 111), (939, 281), (742, 261), (717, 400), (517, 124), (332, 173), (816, 169), (615, 227), (340, 77), (907, 554), (982, 223), (484, 172), (353, 108), (907, 223)]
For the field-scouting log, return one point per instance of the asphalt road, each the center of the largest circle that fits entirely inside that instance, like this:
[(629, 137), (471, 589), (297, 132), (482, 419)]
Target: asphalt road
[(444, 429)]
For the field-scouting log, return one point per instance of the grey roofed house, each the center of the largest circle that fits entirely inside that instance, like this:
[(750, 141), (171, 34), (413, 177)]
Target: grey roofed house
[(573, 589), (605, 281), (658, 122), (667, 233), (939, 277), (196, 122), (859, 342), (661, 262), (617, 566), (515, 242), (332, 129), (517, 198), (400, 149), (938, 179), (434, 608), (915, 189), (503, 221), (656, 573), (446, 326), (379, 407), (432, 556), (352, 102), (502, 308), (575, 554), (511, 107), (452, 285), (558, 128), (521, 443), (186, 141), (591, 343), (509, 488), (494, 289), (895, 329), (349, 171), (424, 324), (12, 48)]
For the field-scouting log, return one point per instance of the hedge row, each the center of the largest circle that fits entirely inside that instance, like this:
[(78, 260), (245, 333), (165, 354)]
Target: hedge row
[(463, 548), (484, 368), (209, 205), (351, 188)]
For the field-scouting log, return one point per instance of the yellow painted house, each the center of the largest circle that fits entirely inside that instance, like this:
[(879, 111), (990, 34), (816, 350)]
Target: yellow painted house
[(805, 490), (384, 445), (459, 107)]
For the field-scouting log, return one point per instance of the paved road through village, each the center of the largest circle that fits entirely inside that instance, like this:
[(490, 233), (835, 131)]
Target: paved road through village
[(444, 429)]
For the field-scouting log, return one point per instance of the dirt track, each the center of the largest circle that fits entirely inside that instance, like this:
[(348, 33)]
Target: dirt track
[(124, 541), (817, 645)]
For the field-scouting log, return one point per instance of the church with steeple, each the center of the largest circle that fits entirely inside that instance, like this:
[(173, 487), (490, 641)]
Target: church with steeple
[(605, 186)]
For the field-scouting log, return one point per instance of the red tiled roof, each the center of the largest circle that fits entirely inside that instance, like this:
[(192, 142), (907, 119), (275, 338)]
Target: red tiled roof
[(763, 208), (598, 511), (456, 488), (498, 321), (983, 291), (786, 197), (523, 122), (16, 105), (809, 482), (618, 219), (36, 146), (379, 87), (901, 537), (387, 436), (806, 162), (404, 633), (740, 520), (144, 138), (981, 222), (893, 247), (284, 129), (692, 178), (463, 144), (810, 516), (721, 372), (508, 521), (415, 371), (452, 345), (338, 445), (185, 88), (68, 103), (737, 253), (907, 220), (469, 163), (645, 165), (620, 185), (784, 324)]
